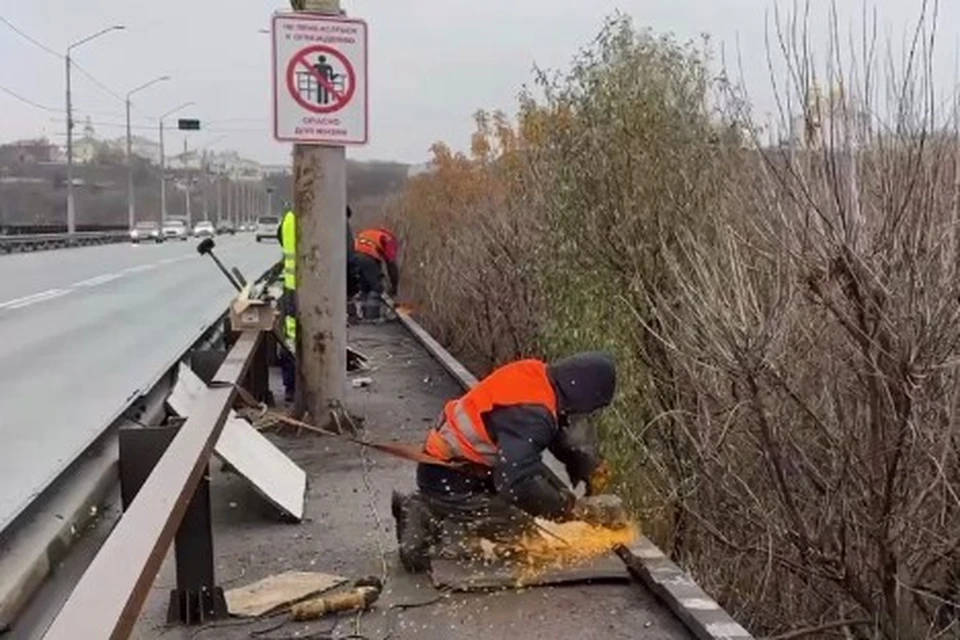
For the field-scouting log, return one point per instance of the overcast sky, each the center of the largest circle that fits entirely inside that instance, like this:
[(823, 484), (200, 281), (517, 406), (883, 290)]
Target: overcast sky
[(433, 62)]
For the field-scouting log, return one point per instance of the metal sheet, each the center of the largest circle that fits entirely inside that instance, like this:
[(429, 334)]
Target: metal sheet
[(275, 476), (465, 576)]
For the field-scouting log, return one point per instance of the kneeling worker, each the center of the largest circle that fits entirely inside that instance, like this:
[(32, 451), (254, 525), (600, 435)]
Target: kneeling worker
[(376, 248), (494, 437)]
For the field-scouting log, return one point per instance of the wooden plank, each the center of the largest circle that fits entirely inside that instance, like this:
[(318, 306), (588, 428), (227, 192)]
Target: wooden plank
[(275, 592)]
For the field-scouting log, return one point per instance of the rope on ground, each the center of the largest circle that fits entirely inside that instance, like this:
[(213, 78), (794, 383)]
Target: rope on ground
[(259, 417), (340, 416)]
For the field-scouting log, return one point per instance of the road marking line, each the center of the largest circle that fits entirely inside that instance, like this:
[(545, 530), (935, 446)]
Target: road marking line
[(141, 268), (10, 303), (92, 282), (40, 297)]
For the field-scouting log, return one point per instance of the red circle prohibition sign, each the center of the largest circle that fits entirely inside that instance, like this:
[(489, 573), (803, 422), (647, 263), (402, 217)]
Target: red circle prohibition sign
[(300, 63)]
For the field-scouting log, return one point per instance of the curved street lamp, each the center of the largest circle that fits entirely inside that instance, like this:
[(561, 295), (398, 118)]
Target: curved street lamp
[(131, 196), (71, 211), (163, 162)]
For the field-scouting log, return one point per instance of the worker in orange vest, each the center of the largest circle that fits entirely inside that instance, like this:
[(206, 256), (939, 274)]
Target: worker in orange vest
[(376, 249), (496, 435)]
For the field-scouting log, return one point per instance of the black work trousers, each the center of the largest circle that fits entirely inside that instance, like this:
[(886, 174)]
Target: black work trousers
[(371, 285)]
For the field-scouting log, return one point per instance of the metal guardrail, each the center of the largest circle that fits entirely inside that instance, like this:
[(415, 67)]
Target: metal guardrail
[(45, 241), (172, 502)]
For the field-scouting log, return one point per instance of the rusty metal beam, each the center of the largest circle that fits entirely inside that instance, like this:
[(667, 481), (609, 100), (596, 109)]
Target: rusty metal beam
[(108, 599)]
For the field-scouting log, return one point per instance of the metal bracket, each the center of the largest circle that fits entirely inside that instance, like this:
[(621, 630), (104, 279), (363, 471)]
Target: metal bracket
[(197, 598)]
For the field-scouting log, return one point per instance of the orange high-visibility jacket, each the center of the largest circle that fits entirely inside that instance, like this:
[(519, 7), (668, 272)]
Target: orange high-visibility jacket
[(461, 434), (377, 243)]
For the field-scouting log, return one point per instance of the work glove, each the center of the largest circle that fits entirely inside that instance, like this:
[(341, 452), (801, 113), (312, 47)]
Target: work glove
[(599, 480), (605, 510)]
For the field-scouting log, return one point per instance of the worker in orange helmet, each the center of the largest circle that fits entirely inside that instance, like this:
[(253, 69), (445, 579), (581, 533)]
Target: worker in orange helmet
[(495, 436), (376, 249)]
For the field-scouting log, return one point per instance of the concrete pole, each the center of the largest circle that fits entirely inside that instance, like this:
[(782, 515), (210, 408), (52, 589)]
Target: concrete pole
[(189, 211), (71, 211), (189, 180), (320, 197), (130, 194), (205, 186), (219, 198), (163, 179)]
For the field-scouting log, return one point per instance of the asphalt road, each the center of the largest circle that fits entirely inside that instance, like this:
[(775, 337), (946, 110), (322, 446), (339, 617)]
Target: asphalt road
[(83, 330)]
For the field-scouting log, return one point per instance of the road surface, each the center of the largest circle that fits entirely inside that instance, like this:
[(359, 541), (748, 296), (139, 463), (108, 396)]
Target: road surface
[(85, 329)]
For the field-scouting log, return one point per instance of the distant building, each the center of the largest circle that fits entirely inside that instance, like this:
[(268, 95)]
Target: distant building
[(233, 165), (141, 147), (277, 169), (29, 152)]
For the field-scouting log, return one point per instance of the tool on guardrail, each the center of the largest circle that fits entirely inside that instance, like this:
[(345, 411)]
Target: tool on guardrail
[(205, 248), (355, 360)]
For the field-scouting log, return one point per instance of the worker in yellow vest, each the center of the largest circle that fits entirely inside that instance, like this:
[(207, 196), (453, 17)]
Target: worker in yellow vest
[(287, 234)]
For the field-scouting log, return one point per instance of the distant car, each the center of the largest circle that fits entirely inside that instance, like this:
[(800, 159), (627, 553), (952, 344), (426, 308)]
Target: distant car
[(203, 229), (225, 226), (267, 227), (145, 231), (175, 230)]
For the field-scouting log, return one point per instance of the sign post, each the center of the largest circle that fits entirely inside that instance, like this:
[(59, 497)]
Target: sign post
[(320, 104)]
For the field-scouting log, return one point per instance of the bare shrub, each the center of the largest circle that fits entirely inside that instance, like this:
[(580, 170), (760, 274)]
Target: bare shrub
[(785, 319), (468, 242)]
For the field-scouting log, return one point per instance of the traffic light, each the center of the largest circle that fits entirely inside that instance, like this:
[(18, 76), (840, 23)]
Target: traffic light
[(188, 125)]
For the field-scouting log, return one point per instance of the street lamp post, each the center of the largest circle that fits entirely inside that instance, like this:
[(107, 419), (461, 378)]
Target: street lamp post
[(131, 196), (71, 209), (163, 163), (205, 176)]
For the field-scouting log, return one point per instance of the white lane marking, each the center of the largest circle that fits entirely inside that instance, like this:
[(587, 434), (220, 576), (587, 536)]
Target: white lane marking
[(141, 268), (15, 301), (92, 282), (39, 297), (172, 260)]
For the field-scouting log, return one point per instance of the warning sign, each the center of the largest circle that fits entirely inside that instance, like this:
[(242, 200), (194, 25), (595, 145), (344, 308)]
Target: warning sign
[(319, 79)]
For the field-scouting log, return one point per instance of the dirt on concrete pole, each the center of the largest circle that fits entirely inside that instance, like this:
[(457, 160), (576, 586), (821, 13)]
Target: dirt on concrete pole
[(320, 201)]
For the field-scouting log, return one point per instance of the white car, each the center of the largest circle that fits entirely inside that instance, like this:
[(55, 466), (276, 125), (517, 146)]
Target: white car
[(175, 230), (204, 229), (145, 231), (267, 227)]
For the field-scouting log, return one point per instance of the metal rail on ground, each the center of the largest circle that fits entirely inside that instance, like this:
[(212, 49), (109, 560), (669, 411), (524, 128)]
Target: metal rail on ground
[(111, 593)]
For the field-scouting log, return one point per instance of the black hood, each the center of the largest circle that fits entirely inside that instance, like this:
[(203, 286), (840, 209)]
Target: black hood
[(585, 381)]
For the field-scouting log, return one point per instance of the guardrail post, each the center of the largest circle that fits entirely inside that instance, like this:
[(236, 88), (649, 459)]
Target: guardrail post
[(258, 377), (197, 598)]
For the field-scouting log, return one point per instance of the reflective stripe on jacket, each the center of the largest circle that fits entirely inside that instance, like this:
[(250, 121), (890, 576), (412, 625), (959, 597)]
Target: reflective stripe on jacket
[(377, 243), (462, 435), (288, 240)]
